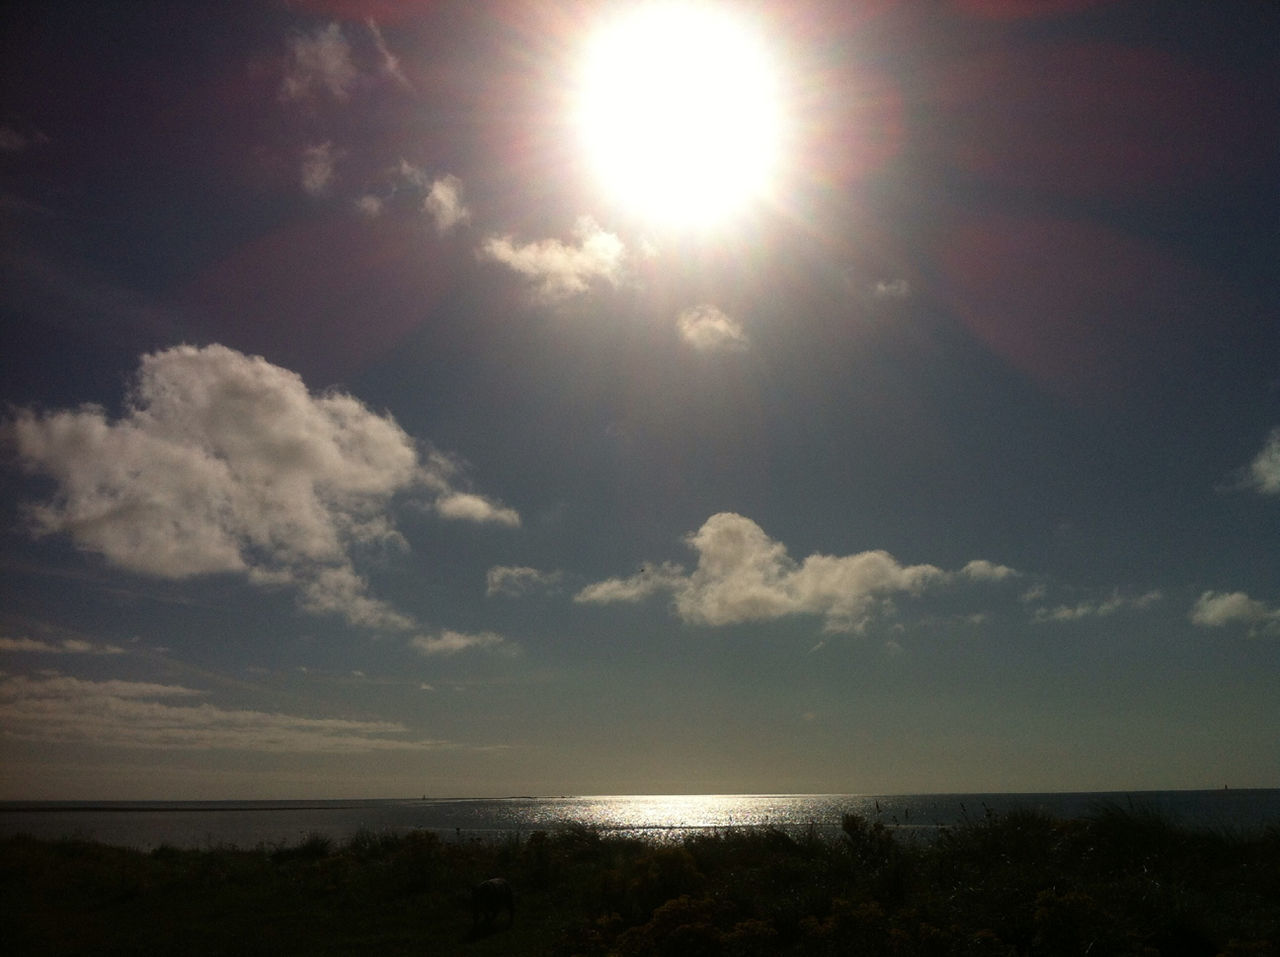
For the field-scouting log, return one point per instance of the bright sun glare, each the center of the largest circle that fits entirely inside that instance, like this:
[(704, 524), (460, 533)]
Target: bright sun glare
[(679, 112)]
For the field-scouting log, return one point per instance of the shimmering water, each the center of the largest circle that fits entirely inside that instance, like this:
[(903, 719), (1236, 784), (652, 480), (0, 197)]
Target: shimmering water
[(148, 824)]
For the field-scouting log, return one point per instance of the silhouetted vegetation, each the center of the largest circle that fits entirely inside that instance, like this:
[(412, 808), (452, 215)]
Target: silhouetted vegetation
[(1122, 882)]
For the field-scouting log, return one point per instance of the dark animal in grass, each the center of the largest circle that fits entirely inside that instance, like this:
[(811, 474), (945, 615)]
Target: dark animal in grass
[(488, 900)]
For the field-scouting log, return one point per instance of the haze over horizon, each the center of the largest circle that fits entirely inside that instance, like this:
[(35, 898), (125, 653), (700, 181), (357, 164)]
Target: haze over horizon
[(611, 398)]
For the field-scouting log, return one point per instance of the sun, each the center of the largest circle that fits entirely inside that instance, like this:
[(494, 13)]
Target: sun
[(678, 110)]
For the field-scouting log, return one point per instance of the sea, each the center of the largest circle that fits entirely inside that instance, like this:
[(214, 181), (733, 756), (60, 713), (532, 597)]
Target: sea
[(146, 825)]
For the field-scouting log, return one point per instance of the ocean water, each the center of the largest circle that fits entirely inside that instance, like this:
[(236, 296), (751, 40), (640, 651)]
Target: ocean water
[(195, 824)]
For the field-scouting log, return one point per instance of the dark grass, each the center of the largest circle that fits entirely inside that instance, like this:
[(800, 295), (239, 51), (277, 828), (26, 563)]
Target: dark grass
[(1125, 881)]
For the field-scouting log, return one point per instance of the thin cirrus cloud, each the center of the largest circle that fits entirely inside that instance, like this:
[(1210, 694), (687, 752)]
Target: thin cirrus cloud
[(743, 575), (225, 463), (1219, 609), (144, 715), (559, 269), (708, 329)]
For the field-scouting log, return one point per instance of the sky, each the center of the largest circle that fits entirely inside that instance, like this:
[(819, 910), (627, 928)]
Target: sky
[(461, 399)]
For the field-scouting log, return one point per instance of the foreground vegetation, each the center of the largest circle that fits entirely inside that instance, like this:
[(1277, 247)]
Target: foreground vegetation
[(1121, 882)]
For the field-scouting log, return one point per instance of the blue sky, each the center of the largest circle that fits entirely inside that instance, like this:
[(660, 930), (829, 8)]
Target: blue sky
[(367, 434)]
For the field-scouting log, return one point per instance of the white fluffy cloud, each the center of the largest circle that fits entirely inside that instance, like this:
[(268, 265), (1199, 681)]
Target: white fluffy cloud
[(516, 580), (475, 508), (981, 570), (225, 463), (451, 642), (320, 60), (744, 575), (130, 714), (561, 269), (1264, 471), (1217, 609), (708, 329)]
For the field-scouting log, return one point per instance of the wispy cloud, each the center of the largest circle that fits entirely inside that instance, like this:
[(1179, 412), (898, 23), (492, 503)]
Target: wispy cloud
[(223, 463), (512, 581), (451, 642), (67, 646), (708, 329), (390, 63), (15, 141), (441, 196), (560, 269), (318, 165), (444, 203), (891, 289), (320, 60), (743, 575), (1264, 471), (129, 714), (1220, 609), (1100, 608)]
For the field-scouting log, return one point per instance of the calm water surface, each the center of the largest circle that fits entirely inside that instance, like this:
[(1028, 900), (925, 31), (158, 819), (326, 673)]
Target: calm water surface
[(148, 824)]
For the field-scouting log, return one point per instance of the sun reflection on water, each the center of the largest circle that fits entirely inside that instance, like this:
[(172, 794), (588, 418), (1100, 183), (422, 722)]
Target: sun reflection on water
[(650, 813)]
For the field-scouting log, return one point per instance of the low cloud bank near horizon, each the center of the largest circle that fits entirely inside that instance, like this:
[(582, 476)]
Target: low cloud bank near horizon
[(224, 463), (132, 714), (743, 575)]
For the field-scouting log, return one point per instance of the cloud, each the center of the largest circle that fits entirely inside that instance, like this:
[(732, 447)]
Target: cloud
[(15, 141), (444, 203), (1097, 609), (225, 463), (513, 581), (648, 581), (68, 646), (390, 63), (981, 570), (320, 60), (1264, 471), (476, 508), (1218, 609), (891, 289), (370, 205), (451, 642), (127, 714), (441, 196), (559, 269), (708, 329), (339, 590), (317, 168), (743, 575)]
